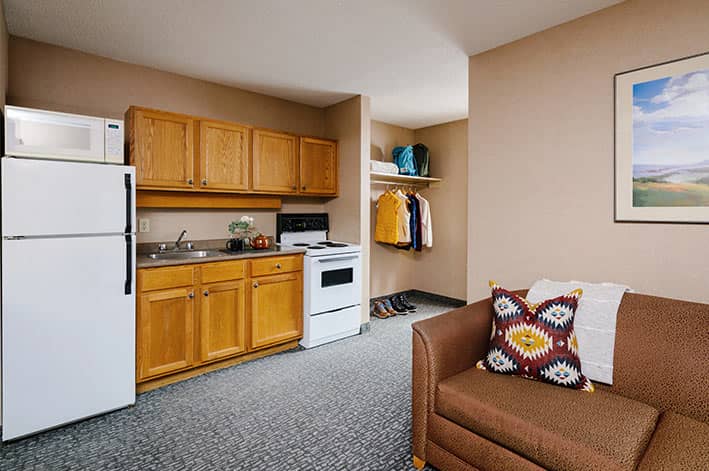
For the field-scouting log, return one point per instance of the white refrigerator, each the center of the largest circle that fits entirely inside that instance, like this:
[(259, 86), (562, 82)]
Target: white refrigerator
[(68, 292)]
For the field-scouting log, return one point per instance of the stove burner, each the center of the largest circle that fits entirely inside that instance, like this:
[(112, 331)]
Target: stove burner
[(336, 244), (324, 242), (300, 245), (316, 247)]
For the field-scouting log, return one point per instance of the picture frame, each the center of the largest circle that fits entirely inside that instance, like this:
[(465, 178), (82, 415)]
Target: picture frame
[(661, 126)]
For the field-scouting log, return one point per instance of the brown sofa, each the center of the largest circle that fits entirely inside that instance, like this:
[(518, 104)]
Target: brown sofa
[(654, 417)]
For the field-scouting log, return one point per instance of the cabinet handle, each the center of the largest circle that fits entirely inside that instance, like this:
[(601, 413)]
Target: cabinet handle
[(204, 182), (303, 188), (278, 266), (191, 295), (294, 187), (189, 181), (206, 292), (255, 285)]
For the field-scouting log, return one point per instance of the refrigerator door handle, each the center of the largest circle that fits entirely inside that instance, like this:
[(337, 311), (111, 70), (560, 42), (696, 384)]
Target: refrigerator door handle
[(129, 203), (129, 265)]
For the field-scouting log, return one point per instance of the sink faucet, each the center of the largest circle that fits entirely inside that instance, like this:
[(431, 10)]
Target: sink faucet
[(179, 239)]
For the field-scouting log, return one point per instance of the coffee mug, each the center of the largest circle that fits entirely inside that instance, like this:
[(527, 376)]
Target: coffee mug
[(235, 245)]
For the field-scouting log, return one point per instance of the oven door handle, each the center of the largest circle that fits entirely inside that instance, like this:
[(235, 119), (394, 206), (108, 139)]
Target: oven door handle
[(337, 259)]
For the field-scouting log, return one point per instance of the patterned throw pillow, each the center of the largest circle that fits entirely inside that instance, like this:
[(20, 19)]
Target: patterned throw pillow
[(535, 341)]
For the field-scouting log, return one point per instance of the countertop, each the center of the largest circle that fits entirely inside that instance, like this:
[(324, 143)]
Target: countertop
[(143, 261)]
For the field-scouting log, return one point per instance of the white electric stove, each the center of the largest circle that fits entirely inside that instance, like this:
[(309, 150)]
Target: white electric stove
[(332, 293)]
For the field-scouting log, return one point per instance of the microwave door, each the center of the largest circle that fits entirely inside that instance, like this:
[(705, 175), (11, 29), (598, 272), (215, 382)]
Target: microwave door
[(51, 135)]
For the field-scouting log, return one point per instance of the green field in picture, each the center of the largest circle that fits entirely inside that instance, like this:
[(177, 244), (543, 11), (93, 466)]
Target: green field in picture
[(649, 194)]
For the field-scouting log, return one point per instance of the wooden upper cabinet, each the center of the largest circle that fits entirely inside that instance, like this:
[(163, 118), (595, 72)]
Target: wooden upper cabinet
[(161, 146), (275, 163), (222, 318), (318, 167), (178, 152), (223, 156)]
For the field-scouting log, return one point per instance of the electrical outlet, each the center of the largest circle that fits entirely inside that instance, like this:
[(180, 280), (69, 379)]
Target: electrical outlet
[(144, 225)]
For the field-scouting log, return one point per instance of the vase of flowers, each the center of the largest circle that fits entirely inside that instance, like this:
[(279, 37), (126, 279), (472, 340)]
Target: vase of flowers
[(243, 229)]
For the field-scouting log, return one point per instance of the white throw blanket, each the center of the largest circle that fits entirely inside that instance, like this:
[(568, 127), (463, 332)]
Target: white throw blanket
[(594, 323)]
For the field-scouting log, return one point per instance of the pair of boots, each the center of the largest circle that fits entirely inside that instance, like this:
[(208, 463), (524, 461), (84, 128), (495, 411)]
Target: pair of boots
[(390, 307)]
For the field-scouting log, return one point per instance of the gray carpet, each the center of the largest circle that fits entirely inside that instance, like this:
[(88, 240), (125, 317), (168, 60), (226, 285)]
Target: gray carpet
[(340, 406)]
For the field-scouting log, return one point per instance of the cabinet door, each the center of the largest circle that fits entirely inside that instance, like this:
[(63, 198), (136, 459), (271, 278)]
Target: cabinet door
[(161, 148), (223, 156), (222, 324), (276, 308), (318, 167), (165, 336), (274, 162)]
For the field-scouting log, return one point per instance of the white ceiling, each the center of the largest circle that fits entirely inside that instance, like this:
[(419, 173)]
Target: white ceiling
[(409, 56)]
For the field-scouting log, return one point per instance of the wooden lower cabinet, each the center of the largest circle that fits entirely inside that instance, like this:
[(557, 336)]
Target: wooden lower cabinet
[(222, 320), (192, 316), (165, 332), (276, 308)]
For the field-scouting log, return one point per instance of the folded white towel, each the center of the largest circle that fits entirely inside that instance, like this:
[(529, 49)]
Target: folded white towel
[(594, 323), (383, 167)]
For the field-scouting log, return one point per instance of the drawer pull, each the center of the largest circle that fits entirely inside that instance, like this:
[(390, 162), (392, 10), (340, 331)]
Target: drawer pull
[(206, 292), (278, 266), (191, 295), (255, 285), (204, 182), (189, 181)]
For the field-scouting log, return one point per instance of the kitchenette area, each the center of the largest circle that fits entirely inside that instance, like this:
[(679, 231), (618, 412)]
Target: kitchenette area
[(128, 313)]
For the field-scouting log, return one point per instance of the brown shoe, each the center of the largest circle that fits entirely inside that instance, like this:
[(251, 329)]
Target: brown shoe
[(379, 311)]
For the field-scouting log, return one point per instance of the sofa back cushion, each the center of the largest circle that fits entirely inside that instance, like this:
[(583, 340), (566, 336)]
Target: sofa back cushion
[(662, 354)]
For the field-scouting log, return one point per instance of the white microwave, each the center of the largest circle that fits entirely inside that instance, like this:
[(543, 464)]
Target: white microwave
[(51, 135)]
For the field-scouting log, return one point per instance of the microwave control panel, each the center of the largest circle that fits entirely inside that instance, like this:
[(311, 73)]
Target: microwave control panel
[(113, 136)]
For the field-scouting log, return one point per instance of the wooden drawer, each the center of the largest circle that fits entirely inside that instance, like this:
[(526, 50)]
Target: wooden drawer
[(223, 271), (275, 265), (150, 279)]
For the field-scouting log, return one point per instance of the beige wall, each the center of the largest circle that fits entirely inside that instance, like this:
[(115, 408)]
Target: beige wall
[(541, 156), (51, 77), (440, 269), (349, 123)]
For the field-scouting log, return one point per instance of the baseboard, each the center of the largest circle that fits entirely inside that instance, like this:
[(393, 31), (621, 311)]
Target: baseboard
[(437, 298)]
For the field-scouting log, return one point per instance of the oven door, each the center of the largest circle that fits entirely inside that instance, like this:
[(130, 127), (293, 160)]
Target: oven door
[(332, 282)]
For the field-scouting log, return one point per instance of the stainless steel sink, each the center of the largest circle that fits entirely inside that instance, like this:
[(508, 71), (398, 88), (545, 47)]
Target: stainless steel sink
[(185, 254)]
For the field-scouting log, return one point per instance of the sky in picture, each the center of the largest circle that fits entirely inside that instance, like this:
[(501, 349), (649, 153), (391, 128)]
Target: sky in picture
[(671, 120)]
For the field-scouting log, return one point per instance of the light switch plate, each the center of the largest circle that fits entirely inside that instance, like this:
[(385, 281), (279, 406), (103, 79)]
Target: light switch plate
[(144, 225)]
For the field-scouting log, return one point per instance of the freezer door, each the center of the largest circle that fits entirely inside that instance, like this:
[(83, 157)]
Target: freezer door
[(68, 336), (44, 197)]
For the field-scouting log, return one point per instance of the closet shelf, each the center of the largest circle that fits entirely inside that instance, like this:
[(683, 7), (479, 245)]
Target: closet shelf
[(376, 177)]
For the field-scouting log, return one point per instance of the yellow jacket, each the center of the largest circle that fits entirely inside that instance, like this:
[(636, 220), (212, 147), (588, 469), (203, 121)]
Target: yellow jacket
[(387, 227)]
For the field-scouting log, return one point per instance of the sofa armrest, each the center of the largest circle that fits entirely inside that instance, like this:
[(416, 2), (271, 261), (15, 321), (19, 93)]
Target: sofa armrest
[(443, 346)]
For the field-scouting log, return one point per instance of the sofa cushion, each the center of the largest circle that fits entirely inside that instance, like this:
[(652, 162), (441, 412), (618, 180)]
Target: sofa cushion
[(557, 428), (679, 443), (535, 341)]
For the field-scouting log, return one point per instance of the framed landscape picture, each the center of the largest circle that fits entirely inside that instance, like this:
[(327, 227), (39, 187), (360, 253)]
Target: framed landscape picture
[(662, 142)]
